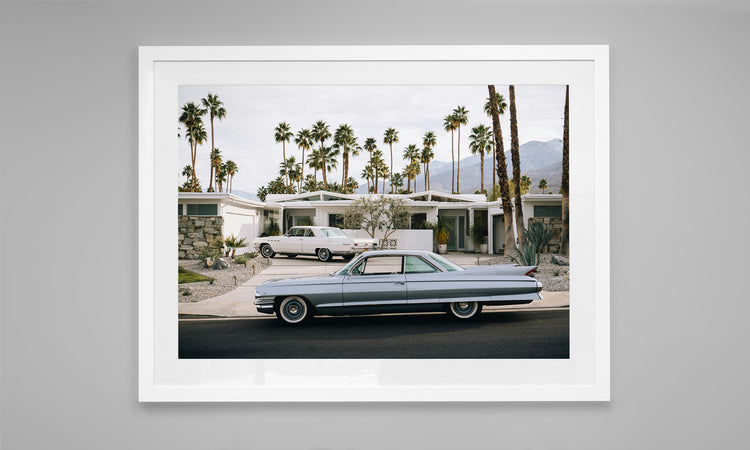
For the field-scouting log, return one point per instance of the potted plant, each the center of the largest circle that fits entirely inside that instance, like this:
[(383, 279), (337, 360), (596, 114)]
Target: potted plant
[(442, 233), (476, 234)]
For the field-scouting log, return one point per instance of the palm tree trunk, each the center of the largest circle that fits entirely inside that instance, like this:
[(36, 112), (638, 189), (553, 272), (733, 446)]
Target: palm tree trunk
[(565, 234), (211, 155), (458, 171), (494, 154), (302, 174), (453, 167), (286, 170), (193, 152), (481, 154), (346, 169), (391, 145), (502, 174), (323, 158), (516, 159)]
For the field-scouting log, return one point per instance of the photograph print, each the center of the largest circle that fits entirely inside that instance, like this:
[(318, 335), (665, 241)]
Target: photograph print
[(366, 222)]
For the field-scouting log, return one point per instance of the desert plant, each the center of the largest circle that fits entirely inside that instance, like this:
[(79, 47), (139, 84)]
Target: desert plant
[(233, 243), (538, 236), (442, 230), (245, 258), (273, 228), (477, 234), (526, 257), (209, 252)]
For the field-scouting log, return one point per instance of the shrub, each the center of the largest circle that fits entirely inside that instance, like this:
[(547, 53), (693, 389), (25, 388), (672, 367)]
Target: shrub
[(245, 257), (273, 228), (527, 257), (538, 236), (233, 243), (209, 252)]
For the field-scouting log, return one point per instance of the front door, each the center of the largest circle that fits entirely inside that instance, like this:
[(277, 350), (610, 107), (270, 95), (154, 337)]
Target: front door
[(457, 233)]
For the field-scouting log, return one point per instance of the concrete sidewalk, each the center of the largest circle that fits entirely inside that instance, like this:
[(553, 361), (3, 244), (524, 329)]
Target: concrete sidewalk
[(239, 302)]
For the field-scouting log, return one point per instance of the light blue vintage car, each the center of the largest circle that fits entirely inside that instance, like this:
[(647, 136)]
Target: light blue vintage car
[(393, 281)]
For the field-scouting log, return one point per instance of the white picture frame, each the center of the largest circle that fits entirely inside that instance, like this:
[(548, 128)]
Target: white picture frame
[(585, 376)]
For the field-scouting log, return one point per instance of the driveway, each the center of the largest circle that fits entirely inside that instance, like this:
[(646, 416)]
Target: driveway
[(239, 302)]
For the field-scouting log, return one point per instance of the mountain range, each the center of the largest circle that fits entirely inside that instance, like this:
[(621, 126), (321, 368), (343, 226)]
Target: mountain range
[(538, 160)]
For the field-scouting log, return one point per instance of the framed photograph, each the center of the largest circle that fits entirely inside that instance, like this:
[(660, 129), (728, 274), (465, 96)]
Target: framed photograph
[(393, 223)]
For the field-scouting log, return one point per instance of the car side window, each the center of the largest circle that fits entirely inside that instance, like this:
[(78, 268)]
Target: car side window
[(415, 264), (382, 265), (309, 233)]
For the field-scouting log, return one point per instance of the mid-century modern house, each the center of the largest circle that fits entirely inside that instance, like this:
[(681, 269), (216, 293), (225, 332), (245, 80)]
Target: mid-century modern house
[(205, 217)]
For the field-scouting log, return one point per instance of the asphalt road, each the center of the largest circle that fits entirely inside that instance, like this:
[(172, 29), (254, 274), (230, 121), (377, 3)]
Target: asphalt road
[(506, 334)]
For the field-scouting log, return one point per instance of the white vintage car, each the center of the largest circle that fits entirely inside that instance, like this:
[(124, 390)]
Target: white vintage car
[(323, 242)]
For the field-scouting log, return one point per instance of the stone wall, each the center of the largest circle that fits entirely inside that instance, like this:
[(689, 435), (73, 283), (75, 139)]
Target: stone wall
[(196, 233), (555, 225)]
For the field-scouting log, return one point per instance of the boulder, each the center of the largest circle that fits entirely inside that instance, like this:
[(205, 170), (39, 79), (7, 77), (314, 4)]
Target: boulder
[(220, 263), (560, 260)]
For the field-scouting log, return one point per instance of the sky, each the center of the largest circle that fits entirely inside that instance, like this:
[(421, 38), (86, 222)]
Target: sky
[(246, 134)]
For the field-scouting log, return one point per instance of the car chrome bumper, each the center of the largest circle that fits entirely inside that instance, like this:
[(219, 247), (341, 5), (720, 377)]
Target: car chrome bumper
[(264, 304)]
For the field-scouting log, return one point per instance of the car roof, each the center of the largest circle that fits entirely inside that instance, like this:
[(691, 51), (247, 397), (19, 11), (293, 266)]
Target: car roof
[(396, 252)]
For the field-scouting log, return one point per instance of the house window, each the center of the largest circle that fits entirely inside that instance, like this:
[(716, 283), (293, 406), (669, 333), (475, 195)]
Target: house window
[(419, 221), (202, 210), (547, 211), (179, 209), (336, 220)]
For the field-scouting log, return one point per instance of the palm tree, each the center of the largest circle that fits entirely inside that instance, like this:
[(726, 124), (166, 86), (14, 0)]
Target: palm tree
[(368, 174), (501, 107), (380, 168), (449, 124), (232, 169), (328, 154), (370, 145), (221, 176), (320, 133), (516, 159), (187, 172), (411, 171), (304, 142), (216, 161), (315, 163), (564, 234), (427, 156), (398, 180), (525, 184), (480, 141), (543, 185), (390, 137), (411, 153), (195, 133), (283, 134), (461, 116), (502, 173), (428, 141), (215, 110), (290, 169), (345, 140)]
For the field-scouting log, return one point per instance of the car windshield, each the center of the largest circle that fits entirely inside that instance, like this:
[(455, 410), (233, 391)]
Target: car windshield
[(331, 232), (444, 263), (344, 270)]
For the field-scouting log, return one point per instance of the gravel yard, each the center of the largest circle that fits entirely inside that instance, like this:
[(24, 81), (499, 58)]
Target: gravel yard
[(224, 279), (553, 277)]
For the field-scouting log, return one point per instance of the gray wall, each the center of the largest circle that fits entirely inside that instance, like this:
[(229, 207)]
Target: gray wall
[(679, 107)]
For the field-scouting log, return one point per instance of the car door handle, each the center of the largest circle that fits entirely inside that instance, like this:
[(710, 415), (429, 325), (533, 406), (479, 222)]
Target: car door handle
[(399, 282)]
